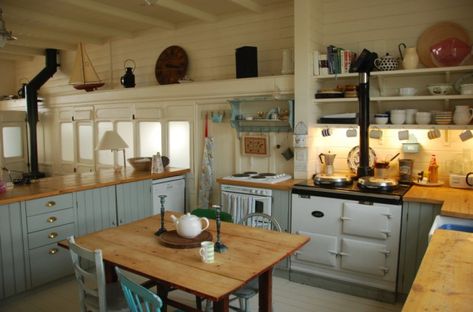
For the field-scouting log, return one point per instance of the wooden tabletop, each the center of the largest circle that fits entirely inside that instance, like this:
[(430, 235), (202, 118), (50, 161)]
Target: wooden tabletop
[(79, 182), (283, 186), (251, 251), (455, 202), (444, 281)]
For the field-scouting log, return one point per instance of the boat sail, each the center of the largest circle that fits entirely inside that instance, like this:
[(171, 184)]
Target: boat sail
[(84, 76)]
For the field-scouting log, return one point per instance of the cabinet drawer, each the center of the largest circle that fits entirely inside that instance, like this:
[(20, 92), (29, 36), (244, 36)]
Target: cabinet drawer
[(48, 263), (51, 235), (48, 204), (48, 220)]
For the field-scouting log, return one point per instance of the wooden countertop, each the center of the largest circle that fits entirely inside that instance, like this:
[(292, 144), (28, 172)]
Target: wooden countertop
[(455, 202), (444, 281), (283, 186), (79, 182)]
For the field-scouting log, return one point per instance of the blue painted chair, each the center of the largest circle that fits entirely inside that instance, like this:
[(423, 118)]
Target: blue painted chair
[(139, 298)]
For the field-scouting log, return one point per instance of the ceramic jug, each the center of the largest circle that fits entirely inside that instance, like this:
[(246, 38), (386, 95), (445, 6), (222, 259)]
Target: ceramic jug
[(386, 62), (410, 59), (463, 115)]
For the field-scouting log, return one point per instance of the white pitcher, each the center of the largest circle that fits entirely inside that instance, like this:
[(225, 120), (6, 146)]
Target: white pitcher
[(410, 59), (463, 115)]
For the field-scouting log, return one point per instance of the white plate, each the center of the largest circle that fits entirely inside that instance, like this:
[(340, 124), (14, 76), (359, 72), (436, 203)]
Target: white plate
[(353, 159), (439, 183)]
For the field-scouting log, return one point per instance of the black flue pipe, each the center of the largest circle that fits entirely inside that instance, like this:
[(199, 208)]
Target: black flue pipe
[(31, 94), (364, 123)]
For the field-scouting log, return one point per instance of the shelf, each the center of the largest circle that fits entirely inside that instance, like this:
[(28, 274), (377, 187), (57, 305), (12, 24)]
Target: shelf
[(404, 126), (262, 125), (402, 72), (401, 98)]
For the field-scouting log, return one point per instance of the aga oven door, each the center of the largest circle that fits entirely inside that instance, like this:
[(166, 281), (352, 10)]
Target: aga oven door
[(239, 205)]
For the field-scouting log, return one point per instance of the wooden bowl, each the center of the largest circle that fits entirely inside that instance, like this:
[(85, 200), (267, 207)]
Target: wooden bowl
[(140, 163)]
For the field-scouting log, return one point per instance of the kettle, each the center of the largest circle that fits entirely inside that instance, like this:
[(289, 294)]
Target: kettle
[(386, 62), (189, 226), (328, 160), (128, 79)]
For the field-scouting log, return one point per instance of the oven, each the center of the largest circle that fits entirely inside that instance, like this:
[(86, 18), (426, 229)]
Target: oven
[(241, 200)]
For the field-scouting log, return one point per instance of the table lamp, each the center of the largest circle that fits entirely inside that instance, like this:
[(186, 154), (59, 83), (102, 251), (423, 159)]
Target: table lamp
[(111, 140)]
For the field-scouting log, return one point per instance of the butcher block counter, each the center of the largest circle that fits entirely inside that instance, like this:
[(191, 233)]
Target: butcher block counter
[(455, 202), (283, 186), (444, 281), (79, 182)]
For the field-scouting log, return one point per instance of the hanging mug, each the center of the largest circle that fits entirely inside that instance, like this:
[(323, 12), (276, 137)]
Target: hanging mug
[(128, 79)]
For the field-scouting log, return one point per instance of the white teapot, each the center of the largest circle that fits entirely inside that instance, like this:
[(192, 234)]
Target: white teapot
[(189, 226)]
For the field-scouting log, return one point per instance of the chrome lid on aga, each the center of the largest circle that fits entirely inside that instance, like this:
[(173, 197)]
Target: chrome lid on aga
[(332, 180)]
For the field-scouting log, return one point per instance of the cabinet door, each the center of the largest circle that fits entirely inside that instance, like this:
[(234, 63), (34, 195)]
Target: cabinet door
[(12, 259), (96, 209), (321, 249), (281, 208), (365, 257), (134, 201), (366, 220)]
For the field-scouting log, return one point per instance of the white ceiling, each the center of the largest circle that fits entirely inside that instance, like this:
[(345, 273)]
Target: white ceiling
[(62, 24)]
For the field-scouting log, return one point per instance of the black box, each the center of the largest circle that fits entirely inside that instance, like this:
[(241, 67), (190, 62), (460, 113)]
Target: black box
[(246, 59)]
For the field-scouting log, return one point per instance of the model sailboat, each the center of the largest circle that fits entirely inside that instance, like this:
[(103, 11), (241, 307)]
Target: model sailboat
[(84, 76)]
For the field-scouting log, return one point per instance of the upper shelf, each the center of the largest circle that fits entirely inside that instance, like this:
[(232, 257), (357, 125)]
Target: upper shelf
[(400, 98), (404, 72)]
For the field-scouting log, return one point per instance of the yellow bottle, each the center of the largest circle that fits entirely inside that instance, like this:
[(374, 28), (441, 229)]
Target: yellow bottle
[(433, 170)]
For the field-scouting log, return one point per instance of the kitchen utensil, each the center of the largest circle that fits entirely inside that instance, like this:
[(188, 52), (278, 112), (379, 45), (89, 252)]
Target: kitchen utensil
[(353, 159), (376, 133), (381, 169), (460, 180), (189, 226), (410, 115), (422, 183), (326, 132), (351, 133), (466, 135), (403, 135), (423, 118), (407, 91), (463, 115), (140, 163), (398, 116), (440, 88), (327, 160), (435, 34), (443, 118), (410, 59), (405, 170), (394, 157), (449, 52), (433, 134), (207, 252), (386, 63)]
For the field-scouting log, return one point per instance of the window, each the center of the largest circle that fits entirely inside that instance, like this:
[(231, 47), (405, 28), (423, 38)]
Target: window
[(150, 138), (12, 142), (125, 130), (67, 141), (104, 157), (179, 144), (86, 139)]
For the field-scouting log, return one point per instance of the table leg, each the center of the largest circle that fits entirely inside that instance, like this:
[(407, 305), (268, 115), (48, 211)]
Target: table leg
[(163, 291), (266, 291), (110, 274), (222, 305)]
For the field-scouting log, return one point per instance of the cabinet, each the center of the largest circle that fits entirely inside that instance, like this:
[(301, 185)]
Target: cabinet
[(48, 221), (262, 114), (96, 209), (134, 201), (12, 256), (417, 219), (281, 210), (384, 93)]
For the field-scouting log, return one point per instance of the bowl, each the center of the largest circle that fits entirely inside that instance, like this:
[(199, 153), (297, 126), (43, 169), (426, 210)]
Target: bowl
[(440, 88), (466, 88), (407, 91), (140, 163), (449, 52), (382, 120), (423, 118)]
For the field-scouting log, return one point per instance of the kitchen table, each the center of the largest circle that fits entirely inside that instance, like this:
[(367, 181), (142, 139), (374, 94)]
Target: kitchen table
[(252, 252)]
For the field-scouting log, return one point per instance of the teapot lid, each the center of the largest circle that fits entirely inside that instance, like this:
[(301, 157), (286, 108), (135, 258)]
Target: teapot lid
[(188, 216)]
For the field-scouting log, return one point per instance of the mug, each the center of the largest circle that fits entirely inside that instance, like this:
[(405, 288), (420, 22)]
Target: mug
[(351, 132), (326, 132), (376, 133), (403, 135), (433, 134), (300, 140), (466, 135), (207, 251)]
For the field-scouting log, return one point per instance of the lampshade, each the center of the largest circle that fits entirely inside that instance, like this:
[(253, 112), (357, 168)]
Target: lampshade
[(111, 141)]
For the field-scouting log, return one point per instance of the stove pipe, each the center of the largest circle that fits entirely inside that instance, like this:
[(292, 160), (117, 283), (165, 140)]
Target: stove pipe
[(31, 94), (364, 122)]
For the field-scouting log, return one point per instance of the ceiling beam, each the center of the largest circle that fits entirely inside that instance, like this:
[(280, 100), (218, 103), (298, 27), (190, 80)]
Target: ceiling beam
[(34, 17), (120, 13), (249, 4), (54, 34), (12, 57), (9, 49), (25, 41), (186, 10)]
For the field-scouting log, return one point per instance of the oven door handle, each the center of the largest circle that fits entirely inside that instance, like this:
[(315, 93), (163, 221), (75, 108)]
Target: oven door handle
[(345, 219)]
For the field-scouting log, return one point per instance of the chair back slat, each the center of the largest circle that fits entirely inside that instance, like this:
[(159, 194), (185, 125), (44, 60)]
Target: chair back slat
[(261, 220)]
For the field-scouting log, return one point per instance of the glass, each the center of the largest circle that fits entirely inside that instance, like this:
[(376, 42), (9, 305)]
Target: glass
[(179, 144), (125, 130), (150, 138), (12, 142), (67, 141)]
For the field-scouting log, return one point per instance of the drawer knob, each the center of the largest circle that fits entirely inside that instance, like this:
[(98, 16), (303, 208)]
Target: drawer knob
[(50, 203), (53, 251), (51, 219), (52, 235)]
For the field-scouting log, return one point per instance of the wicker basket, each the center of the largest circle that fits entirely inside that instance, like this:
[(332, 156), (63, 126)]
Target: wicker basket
[(140, 163)]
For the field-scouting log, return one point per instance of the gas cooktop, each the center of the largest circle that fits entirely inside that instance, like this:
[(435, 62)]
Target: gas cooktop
[(353, 191), (255, 177)]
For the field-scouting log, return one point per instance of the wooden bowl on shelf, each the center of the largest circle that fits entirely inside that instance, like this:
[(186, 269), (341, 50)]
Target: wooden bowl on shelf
[(140, 163)]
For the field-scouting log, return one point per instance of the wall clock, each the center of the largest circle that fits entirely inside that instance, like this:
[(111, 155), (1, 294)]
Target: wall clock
[(171, 65)]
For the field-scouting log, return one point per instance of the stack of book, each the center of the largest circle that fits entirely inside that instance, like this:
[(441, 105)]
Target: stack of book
[(336, 61)]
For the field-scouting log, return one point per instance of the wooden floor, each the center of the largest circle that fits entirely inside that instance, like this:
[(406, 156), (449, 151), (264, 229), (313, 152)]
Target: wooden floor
[(287, 296)]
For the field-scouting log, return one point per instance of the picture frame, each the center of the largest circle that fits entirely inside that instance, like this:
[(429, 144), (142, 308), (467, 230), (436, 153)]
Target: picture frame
[(255, 145)]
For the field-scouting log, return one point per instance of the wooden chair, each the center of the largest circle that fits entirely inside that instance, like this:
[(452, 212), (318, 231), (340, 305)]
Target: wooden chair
[(139, 298), (260, 220), (94, 294)]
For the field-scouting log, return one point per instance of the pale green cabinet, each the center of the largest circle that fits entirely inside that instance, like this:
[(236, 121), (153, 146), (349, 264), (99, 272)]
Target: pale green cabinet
[(281, 210), (96, 209), (12, 255), (134, 201), (417, 219)]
